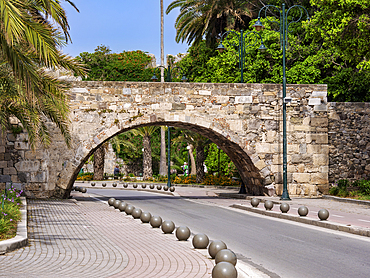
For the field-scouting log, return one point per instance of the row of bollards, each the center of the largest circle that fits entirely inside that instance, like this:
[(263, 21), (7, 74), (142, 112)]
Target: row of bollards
[(323, 214), (225, 259), (81, 189), (143, 185)]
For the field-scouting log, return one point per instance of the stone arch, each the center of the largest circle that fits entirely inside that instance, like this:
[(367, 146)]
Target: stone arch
[(225, 139)]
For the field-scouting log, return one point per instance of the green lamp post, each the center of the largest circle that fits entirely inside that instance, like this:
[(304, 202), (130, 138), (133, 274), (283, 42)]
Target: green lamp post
[(169, 157), (169, 72), (283, 30), (242, 47)]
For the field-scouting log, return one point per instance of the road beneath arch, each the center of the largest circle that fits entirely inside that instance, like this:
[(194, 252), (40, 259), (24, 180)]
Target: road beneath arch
[(278, 248)]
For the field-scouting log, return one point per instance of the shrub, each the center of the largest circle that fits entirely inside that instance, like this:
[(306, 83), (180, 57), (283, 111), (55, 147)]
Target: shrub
[(9, 212), (85, 176)]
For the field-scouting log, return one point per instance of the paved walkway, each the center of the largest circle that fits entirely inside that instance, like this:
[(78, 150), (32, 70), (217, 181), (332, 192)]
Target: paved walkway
[(87, 238)]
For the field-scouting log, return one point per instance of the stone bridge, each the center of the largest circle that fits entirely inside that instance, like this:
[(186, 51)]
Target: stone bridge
[(244, 120)]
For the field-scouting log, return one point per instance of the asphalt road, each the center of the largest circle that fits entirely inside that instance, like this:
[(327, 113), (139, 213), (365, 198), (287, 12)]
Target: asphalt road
[(277, 247)]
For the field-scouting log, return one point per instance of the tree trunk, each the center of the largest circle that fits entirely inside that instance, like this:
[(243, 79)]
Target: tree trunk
[(199, 163), (162, 163), (99, 156), (192, 161), (162, 43), (147, 158)]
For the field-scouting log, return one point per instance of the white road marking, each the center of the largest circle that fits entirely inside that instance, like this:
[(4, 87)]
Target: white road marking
[(363, 220), (337, 215)]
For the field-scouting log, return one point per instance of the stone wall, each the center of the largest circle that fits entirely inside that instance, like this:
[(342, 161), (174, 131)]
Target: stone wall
[(244, 120), (349, 140)]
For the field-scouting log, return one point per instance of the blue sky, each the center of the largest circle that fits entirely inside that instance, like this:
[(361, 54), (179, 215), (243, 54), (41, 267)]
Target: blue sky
[(123, 25)]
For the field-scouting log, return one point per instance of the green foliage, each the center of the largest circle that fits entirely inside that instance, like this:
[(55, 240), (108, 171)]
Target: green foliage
[(341, 189), (364, 186), (9, 212), (125, 66), (226, 165)]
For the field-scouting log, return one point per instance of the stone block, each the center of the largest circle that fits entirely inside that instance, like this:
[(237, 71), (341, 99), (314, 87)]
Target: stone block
[(3, 164), (317, 138), (319, 122), (5, 178), (319, 178), (79, 90), (301, 158), (222, 99), (9, 171), (205, 92), (318, 149), (263, 148), (28, 166), (243, 99), (301, 177), (39, 177), (260, 164), (2, 149), (21, 146), (236, 125), (320, 160)]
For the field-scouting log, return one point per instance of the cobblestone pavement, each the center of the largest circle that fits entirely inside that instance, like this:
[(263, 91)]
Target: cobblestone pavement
[(87, 238)]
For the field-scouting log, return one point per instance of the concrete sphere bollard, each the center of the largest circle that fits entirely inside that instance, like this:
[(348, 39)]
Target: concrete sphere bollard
[(216, 246), (159, 187), (182, 233), (104, 184), (114, 184), (129, 209), (172, 189), (76, 188), (135, 185), (226, 255), (200, 241), (284, 207), (302, 211), (125, 185), (93, 184), (224, 270), (151, 186), (155, 221), (255, 202), (143, 185), (83, 190), (122, 206), (111, 201), (165, 188), (136, 213), (145, 217), (269, 205), (116, 203), (323, 214), (168, 227)]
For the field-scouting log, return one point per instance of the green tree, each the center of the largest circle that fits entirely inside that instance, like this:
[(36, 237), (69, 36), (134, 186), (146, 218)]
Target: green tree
[(146, 132), (126, 66), (31, 34), (209, 18)]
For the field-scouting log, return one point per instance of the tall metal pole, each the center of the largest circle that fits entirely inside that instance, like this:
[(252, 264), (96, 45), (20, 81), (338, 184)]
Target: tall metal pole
[(162, 41), (169, 157), (285, 195), (241, 57)]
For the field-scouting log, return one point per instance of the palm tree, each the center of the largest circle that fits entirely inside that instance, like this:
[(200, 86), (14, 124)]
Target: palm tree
[(162, 161), (198, 141), (31, 34), (99, 154), (146, 132), (209, 18)]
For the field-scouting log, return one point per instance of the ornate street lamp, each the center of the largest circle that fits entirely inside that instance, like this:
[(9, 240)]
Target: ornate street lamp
[(169, 71), (283, 30), (242, 47)]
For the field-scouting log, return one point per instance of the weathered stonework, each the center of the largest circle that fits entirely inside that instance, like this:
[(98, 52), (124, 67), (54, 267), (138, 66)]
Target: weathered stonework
[(245, 120), (349, 140)]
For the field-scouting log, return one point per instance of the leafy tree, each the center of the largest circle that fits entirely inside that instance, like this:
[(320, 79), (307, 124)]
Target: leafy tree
[(125, 66), (31, 34)]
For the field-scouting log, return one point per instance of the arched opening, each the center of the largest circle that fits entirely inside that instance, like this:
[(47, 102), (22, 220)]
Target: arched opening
[(248, 172)]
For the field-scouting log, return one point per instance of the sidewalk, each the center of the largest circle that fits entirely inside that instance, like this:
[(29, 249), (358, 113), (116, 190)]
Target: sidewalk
[(87, 238)]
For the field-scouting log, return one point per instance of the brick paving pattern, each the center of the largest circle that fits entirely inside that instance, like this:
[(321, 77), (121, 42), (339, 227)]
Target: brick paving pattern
[(90, 239)]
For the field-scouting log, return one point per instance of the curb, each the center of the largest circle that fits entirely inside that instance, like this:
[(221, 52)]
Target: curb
[(323, 224), (21, 239), (345, 200)]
